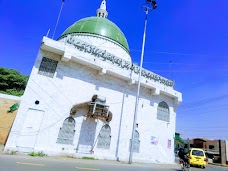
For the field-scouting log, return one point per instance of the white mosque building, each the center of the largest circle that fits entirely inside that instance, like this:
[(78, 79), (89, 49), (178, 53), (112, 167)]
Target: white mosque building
[(80, 99)]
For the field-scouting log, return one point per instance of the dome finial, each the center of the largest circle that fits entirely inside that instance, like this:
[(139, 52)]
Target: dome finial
[(101, 12)]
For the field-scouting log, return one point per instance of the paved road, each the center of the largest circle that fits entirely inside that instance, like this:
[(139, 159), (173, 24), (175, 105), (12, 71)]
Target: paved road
[(26, 163)]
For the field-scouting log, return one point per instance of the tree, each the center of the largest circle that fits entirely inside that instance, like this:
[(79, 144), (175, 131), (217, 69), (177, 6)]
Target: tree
[(178, 141), (12, 82)]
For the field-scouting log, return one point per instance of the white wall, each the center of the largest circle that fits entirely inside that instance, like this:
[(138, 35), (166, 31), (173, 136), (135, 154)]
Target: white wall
[(103, 44), (6, 96), (74, 83)]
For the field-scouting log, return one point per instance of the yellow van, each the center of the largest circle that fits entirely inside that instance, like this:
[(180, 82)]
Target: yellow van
[(197, 157)]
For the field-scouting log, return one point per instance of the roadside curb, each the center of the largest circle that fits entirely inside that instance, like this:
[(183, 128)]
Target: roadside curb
[(217, 164), (122, 163)]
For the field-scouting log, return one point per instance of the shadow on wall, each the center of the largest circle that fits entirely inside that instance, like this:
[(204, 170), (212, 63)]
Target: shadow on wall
[(87, 136), (90, 76)]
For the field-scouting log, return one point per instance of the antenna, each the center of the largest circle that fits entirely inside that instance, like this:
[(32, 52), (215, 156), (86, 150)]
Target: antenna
[(48, 33), (169, 68), (58, 19)]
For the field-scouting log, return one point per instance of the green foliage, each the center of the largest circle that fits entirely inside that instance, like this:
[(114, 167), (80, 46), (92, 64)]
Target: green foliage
[(34, 154), (179, 142), (13, 152), (41, 154), (88, 158), (12, 82)]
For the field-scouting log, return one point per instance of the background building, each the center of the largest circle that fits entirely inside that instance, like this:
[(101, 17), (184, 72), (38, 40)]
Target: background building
[(214, 149)]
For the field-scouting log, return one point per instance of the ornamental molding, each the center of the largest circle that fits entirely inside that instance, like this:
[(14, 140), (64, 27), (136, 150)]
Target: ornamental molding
[(95, 36), (110, 58)]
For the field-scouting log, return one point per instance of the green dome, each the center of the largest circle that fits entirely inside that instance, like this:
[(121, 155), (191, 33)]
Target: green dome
[(98, 26)]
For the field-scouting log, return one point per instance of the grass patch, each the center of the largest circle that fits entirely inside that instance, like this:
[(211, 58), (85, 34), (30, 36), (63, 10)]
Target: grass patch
[(88, 158), (41, 154), (34, 154), (13, 152)]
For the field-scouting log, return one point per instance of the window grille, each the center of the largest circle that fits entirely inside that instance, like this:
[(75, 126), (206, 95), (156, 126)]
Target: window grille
[(66, 133), (163, 112), (98, 109), (47, 67)]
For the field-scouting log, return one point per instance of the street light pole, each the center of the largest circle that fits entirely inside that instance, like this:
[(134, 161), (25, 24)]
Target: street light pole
[(147, 7)]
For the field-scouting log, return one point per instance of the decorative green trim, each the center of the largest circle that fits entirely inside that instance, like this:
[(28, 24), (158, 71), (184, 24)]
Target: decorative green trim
[(13, 108)]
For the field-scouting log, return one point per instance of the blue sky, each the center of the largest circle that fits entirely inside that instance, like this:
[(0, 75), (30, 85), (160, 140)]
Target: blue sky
[(193, 35)]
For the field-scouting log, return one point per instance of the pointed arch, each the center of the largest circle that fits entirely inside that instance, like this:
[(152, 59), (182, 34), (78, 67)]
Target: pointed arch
[(66, 132), (104, 138), (163, 112), (136, 143)]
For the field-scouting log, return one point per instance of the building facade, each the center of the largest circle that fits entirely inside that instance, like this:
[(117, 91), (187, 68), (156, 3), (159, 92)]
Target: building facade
[(214, 149), (80, 99), (226, 152), (207, 145)]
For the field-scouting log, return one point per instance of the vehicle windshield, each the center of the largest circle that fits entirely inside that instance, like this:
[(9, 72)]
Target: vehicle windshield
[(197, 153)]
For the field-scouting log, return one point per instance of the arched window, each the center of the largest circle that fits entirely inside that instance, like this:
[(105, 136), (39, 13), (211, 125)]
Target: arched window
[(66, 133), (104, 138), (163, 112), (136, 143)]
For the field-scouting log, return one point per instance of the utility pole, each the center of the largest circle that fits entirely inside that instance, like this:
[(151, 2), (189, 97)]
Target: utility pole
[(222, 151), (188, 145), (170, 68)]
